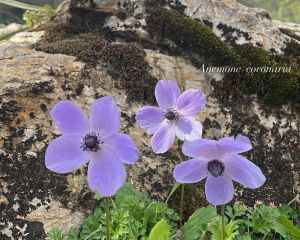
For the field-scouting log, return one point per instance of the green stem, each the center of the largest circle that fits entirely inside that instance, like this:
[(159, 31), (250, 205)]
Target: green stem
[(265, 235), (295, 199), (181, 204), (222, 218), (93, 233), (107, 218)]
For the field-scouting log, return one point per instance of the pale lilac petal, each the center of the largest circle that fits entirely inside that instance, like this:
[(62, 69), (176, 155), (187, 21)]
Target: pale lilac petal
[(219, 190), (64, 154), (69, 118), (236, 144), (106, 173), (243, 171), (150, 118), (191, 171), (105, 117), (191, 102), (184, 128), (124, 148), (201, 148), (164, 138), (196, 131), (166, 93)]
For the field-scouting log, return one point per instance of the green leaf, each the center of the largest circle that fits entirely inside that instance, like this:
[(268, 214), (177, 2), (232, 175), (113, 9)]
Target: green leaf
[(55, 234), (243, 237), (235, 211), (36, 18), (161, 231), (174, 188), (73, 234), (230, 229), (284, 224), (197, 224)]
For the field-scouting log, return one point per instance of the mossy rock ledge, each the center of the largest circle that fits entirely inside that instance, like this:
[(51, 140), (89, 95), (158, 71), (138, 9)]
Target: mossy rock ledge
[(92, 49)]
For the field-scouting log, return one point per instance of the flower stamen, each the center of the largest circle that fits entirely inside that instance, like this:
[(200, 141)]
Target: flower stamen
[(171, 114), (91, 142), (215, 168)]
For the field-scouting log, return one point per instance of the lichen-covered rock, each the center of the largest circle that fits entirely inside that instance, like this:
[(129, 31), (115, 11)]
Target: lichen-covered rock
[(288, 28), (33, 82), (102, 5), (234, 21), (33, 199), (27, 37)]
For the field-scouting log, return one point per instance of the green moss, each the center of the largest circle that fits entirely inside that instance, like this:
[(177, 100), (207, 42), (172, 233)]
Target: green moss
[(189, 34), (85, 39), (281, 88), (193, 36), (251, 56), (128, 62), (86, 47)]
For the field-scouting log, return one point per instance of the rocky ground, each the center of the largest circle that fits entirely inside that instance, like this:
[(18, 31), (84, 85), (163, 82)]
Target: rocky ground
[(33, 199)]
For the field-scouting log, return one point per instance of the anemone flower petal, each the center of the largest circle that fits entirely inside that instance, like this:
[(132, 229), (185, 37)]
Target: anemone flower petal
[(191, 102), (236, 144), (164, 138), (124, 148), (201, 148), (191, 171), (69, 118), (243, 171), (219, 190), (105, 117), (106, 173), (150, 118), (196, 131), (64, 154), (184, 128), (166, 93)]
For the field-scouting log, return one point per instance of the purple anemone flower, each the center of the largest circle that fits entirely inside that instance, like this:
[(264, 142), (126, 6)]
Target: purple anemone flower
[(96, 139), (175, 115), (221, 163)]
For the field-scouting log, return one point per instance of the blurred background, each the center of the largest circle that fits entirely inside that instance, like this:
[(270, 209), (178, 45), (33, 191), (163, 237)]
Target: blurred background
[(284, 10), (10, 14)]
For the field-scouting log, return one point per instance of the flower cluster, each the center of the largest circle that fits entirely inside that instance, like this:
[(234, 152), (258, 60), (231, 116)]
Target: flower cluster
[(97, 140), (219, 161)]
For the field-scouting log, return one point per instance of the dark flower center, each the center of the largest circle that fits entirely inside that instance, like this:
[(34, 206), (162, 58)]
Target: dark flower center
[(91, 142), (171, 114), (215, 168)]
